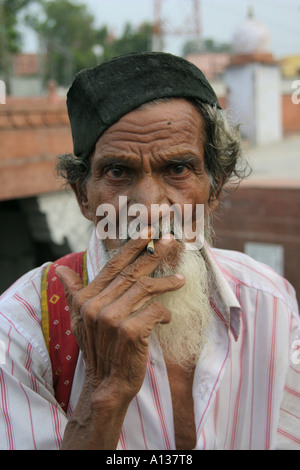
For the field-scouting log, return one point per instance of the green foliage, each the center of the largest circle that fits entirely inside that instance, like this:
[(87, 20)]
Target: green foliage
[(71, 40), (207, 45), (67, 32), (213, 46), (11, 9), (131, 41), (68, 37)]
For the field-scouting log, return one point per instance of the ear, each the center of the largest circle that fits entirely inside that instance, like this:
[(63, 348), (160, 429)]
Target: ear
[(214, 200), (82, 199)]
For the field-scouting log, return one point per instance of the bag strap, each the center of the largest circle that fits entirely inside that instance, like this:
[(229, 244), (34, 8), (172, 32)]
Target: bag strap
[(56, 325)]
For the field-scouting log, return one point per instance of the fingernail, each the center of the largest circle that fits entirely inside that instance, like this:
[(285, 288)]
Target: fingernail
[(180, 276)]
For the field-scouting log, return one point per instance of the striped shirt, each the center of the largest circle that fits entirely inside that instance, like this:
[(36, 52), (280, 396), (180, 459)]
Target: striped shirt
[(246, 388)]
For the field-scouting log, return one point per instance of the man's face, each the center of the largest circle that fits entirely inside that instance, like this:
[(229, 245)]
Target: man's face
[(153, 155)]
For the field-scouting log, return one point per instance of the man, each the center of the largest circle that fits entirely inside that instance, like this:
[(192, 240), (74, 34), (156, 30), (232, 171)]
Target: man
[(179, 349)]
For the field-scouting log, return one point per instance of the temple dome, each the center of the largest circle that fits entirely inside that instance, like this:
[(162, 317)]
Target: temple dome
[(251, 36)]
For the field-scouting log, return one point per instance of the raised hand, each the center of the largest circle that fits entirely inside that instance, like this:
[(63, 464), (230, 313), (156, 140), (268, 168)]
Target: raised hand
[(112, 319)]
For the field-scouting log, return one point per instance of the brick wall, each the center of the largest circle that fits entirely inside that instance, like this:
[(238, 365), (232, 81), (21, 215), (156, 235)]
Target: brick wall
[(31, 137), (290, 115), (264, 215)]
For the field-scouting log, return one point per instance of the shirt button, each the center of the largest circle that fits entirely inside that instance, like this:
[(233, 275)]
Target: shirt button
[(202, 391)]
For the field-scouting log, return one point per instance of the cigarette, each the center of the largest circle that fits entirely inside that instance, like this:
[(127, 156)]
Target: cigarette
[(150, 247)]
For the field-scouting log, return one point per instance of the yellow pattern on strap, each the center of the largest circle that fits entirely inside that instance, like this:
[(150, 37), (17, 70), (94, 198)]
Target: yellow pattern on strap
[(44, 299), (44, 305)]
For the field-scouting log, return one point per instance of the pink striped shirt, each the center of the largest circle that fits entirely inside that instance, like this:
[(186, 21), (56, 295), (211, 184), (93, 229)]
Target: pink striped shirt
[(246, 388)]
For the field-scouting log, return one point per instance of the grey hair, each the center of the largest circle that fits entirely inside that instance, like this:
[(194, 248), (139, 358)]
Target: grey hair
[(223, 155)]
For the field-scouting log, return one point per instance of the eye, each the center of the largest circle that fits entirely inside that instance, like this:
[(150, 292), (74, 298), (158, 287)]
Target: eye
[(179, 169), (116, 171)]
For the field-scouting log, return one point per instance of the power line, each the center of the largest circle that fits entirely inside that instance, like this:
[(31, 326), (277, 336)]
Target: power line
[(191, 27)]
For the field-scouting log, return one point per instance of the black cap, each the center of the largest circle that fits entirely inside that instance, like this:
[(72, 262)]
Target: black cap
[(100, 96)]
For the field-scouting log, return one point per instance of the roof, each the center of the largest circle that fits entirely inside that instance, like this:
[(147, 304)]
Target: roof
[(33, 132)]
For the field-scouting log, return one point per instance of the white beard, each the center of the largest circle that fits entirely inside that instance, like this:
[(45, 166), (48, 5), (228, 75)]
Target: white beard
[(183, 339)]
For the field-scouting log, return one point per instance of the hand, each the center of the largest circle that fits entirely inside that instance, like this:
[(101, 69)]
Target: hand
[(113, 317)]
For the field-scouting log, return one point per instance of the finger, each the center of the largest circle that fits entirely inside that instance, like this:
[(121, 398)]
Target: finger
[(125, 256), (144, 265), (145, 290), (141, 326)]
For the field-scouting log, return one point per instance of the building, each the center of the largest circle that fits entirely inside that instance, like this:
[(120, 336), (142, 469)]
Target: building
[(261, 217), (40, 220), (290, 66), (213, 64)]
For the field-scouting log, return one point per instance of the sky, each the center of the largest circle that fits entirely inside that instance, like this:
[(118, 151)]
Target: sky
[(219, 19)]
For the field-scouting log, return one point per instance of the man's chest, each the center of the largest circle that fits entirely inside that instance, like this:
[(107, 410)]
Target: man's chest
[(181, 387)]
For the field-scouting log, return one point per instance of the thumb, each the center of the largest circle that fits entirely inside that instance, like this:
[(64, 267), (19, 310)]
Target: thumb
[(70, 280)]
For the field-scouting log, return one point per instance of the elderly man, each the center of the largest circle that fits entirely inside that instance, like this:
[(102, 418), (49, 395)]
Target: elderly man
[(183, 347)]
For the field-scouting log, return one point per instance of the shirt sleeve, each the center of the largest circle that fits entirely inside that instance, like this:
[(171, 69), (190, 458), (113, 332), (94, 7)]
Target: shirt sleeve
[(30, 417), (288, 432)]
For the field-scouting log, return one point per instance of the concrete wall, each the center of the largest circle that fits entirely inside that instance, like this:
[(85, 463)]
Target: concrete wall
[(254, 100), (290, 112), (269, 217)]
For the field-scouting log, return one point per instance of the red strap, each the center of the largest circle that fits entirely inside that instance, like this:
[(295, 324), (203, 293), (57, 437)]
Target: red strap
[(63, 348)]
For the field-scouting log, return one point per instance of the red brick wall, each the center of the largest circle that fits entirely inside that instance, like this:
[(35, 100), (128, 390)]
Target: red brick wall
[(265, 215), (290, 115), (31, 139)]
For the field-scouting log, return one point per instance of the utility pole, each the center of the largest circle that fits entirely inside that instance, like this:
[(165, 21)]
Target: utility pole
[(191, 25), (157, 33)]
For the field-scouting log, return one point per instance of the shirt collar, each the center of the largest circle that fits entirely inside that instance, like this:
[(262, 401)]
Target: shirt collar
[(223, 301)]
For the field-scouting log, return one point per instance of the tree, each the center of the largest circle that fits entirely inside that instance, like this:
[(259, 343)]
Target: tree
[(10, 37), (207, 45), (132, 40), (67, 32), (72, 42), (214, 46)]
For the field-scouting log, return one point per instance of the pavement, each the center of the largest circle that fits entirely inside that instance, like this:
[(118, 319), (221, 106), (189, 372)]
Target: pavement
[(276, 164)]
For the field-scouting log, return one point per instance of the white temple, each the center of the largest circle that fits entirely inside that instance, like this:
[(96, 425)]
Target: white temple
[(253, 83), (251, 36)]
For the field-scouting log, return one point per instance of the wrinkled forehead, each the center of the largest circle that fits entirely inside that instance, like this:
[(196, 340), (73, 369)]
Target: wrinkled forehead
[(99, 97), (161, 127)]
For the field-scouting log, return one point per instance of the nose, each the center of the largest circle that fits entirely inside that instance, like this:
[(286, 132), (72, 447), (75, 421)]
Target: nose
[(149, 193)]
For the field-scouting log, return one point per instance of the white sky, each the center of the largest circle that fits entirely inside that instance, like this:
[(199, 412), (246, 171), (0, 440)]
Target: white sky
[(219, 19)]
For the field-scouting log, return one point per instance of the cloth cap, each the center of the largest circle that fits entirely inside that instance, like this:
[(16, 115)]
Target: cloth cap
[(100, 96)]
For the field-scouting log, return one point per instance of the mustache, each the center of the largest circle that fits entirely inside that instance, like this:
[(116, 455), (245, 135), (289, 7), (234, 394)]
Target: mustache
[(161, 227)]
